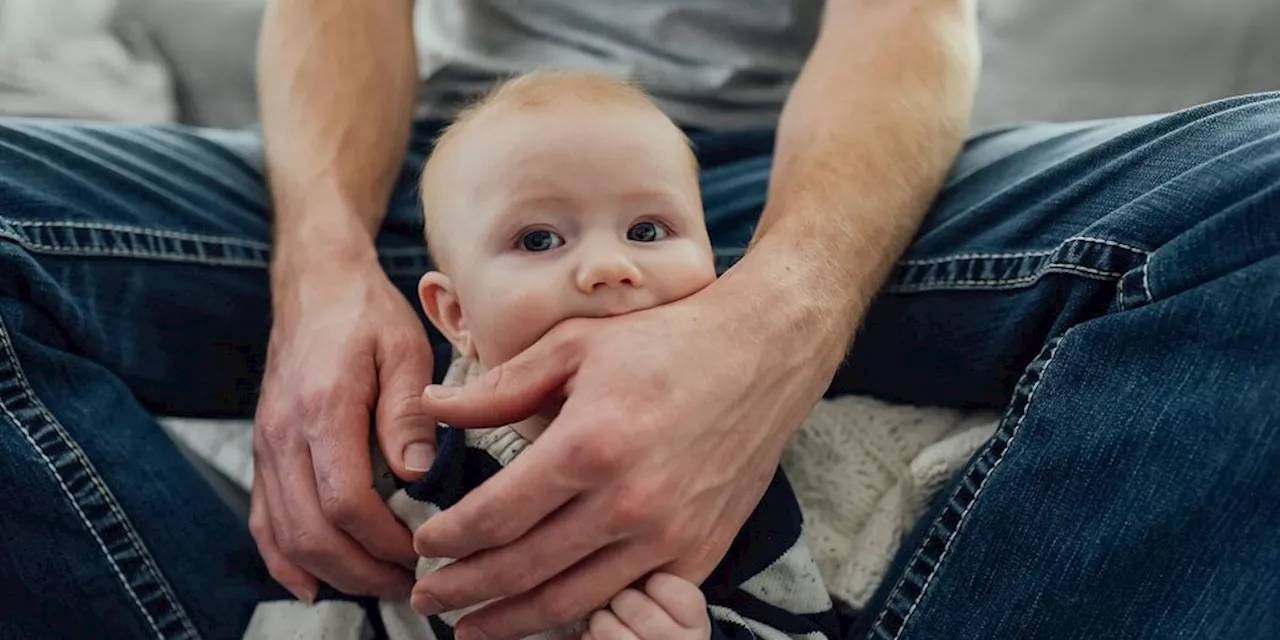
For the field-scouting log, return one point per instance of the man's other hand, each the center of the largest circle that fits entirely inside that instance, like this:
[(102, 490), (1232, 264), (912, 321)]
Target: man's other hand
[(345, 346)]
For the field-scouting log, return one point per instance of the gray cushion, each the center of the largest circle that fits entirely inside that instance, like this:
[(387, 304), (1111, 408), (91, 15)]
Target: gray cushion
[(1043, 59), (210, 46), (1084, 59)]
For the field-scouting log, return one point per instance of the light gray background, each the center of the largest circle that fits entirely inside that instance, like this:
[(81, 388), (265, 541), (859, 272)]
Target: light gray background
[(1043, 59)]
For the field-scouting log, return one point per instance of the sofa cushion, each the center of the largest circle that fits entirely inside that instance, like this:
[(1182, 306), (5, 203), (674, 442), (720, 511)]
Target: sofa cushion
[(1043, 59), (1085, 59), (210, 46)]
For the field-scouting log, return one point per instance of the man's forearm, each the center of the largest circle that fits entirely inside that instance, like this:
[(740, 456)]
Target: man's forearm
[(336, 82), (867, 136)]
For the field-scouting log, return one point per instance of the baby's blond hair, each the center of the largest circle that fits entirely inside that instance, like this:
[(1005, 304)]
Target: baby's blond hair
[(532, 92)]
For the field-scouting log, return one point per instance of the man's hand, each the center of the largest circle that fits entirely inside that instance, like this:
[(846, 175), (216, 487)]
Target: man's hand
[(673, 423), (345, 345)]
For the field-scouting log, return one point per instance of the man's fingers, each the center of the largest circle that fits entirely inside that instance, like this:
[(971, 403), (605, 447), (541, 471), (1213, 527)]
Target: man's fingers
[(569, 598), (556, 544), (406, 433), (308, 540), (344, 488), (301, 584), (511, 391), (501, 509)]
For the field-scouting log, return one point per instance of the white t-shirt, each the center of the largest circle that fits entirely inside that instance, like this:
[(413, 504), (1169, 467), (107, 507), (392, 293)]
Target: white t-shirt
[(716, 64)]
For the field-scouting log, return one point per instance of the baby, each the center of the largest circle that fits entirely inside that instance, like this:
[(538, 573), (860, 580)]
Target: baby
[(564, 196), (561, 196), (572, 195)]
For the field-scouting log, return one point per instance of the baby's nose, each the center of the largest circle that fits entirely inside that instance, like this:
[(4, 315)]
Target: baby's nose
[(608, 271)]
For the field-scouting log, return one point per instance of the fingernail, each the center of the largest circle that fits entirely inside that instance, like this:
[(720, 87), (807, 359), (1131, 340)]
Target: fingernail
[(418, 455), (472, 633), (304, 595), (425, 604), (440, 392)]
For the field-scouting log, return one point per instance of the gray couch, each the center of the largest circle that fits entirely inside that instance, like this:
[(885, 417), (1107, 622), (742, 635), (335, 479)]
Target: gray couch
[(1044, 59)]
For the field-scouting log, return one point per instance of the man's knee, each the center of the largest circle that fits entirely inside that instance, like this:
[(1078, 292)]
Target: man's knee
[(1246, 169), (1247, 128)]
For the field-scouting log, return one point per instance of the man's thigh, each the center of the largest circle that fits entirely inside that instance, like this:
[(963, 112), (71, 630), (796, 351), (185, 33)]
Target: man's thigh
[(1038, 227), (148, 248), (133, 282), (1112, 286)]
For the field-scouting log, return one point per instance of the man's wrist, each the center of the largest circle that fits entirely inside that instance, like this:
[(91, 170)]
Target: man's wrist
[(799, 297), (318, 245)]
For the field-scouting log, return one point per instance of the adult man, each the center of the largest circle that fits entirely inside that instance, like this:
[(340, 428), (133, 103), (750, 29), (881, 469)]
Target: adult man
[(1075, 274)]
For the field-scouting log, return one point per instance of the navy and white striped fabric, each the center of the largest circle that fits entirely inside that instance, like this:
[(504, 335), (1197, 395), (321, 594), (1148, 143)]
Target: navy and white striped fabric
[(767, 586)]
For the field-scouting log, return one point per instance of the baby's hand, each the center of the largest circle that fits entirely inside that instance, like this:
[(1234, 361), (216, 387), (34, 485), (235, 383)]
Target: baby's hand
[(670, 608)]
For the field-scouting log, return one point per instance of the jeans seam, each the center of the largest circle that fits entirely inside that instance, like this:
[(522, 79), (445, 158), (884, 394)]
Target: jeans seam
[(1023, 254), (1109, 243), (991, 459), (158, 233), (1017, 269), (10, 355), (207, 250), (1048, 268), (251, 254), (976, 256)]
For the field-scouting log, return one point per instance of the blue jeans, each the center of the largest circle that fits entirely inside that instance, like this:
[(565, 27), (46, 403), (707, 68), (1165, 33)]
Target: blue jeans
[(1113, 286)]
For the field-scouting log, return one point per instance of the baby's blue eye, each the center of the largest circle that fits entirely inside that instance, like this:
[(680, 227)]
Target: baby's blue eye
[(539, 240), (646, 232)]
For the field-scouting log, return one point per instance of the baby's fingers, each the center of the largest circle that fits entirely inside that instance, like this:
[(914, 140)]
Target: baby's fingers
[(680, 600), (606, 626), (645, 617)]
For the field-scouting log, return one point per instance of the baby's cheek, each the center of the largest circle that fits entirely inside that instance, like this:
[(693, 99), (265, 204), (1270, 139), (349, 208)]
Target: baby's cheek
[(514, 322), (689, 274)]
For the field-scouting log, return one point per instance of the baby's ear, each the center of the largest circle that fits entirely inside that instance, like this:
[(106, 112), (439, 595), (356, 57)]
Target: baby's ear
[(441, 305)]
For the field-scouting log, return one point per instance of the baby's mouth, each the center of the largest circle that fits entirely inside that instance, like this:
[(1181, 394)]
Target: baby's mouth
[(617, 306)]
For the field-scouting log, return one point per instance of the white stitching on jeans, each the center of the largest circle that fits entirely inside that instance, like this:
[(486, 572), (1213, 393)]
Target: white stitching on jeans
[(977, 256), (160, 233), (1111, 243), (1021, 254), (174, 256), (1050, 268), (12, 356), (1146, 281), (1053, 351), (151, 255), (135, 253)]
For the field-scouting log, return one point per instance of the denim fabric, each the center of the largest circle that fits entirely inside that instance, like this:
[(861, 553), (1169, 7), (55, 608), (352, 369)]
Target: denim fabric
[(1113, 286)]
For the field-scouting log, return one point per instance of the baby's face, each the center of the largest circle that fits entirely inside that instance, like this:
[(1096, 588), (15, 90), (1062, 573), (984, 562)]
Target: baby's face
[(584, 212)]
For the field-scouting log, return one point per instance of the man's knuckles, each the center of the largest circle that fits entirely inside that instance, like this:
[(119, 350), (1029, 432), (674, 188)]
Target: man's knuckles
[(343, 508), (595, 456), (306, 546), (639, 510)]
